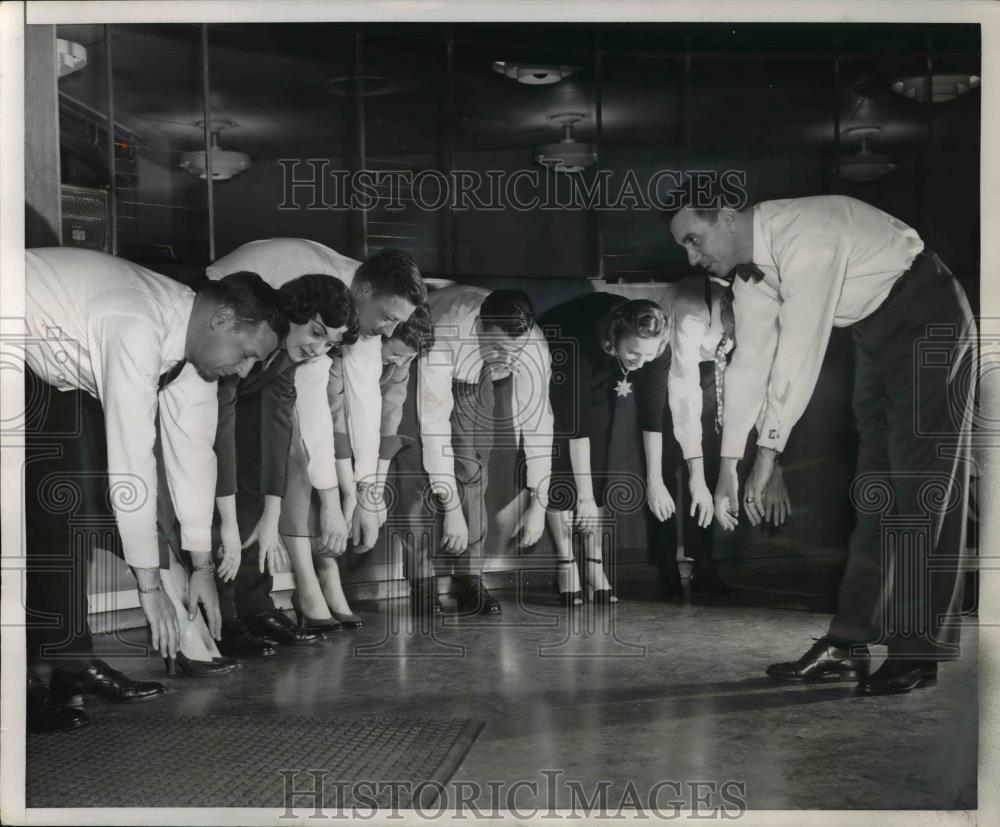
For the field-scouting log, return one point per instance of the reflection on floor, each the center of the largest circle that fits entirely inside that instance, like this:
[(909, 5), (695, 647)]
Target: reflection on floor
[(646, 692)]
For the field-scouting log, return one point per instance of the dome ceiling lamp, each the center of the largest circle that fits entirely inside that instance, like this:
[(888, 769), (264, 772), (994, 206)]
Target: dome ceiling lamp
[(225, 163), (533, 74), (864, 166), (944, 87), (568, 154), (70, 57)]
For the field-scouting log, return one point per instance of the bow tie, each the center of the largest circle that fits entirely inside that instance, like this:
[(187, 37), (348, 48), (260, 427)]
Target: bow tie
[(747, 272)]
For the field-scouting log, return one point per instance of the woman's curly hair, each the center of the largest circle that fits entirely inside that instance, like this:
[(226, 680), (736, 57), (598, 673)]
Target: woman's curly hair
[(304, 298), (417, 332), (638, 317)]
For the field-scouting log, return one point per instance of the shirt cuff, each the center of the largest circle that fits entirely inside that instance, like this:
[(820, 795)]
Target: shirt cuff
[(146, 557), (194, 538), (690, 445), (733, 445), (775, 442), (771, 434)]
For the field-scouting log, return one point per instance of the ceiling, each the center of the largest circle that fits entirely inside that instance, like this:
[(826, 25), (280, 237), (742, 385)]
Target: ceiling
[(751, 89)]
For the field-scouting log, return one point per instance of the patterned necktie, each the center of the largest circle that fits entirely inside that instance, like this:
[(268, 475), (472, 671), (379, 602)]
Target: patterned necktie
[(171, 374), (728, 339)]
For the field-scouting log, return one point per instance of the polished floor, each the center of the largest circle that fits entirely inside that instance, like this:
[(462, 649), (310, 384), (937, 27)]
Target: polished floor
[(646, 692)]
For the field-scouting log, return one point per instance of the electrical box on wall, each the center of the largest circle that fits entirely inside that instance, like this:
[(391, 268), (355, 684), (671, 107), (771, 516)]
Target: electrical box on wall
[(84, 217)]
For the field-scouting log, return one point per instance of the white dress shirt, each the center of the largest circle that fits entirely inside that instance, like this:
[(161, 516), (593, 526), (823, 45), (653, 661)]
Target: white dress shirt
[(828, 261), (111, 328), (456, 356), (696, 330), (277, 261)]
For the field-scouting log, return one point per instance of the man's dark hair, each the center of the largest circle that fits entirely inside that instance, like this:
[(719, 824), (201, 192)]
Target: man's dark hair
[(311, 295), (252, 299), (417, 332), (394, 273), (510, 310)]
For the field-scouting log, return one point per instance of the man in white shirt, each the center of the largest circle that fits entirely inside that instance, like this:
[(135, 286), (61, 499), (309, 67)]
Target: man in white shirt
[(150, 351), (386, 287), (479, 337), (802, 266), (701, 315)]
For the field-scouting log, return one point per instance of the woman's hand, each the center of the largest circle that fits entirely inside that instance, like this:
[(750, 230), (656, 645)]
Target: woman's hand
[(587, 515), (271, 554), (659, 500), (333, 528)]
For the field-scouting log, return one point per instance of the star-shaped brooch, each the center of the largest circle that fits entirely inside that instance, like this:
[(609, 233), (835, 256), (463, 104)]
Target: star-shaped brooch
[(624, 388)]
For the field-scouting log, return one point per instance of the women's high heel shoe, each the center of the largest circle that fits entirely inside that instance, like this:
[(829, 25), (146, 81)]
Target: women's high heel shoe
[(601, 596), (567, 599), (316, 625), (199, 668), (347, 621)]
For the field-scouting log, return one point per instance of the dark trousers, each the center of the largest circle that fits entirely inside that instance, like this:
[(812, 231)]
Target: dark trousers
[(471, 440), (249, 593), (913, 391), (698, 542), (67, 513)]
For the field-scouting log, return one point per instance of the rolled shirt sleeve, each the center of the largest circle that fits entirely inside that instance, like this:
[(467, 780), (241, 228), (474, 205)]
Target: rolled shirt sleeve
[(189, 409), (812, 269), (684, 378), (315, 421), (533, 418), (755, 307)]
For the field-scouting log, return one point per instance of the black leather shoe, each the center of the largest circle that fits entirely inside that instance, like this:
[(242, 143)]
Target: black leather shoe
[(708, 582), (239, 642), (897, 677), (199, 668), (277, 626), (423, 597), (100, 679), (824, 662), (472, 597), (44, 714)]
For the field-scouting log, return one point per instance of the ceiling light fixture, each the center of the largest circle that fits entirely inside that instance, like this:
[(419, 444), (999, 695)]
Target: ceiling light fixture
[(225, 163), (533, 74), (71, 57), (943, 87), (568, 155), (865, 166)]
